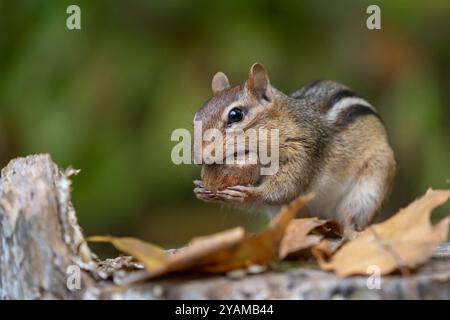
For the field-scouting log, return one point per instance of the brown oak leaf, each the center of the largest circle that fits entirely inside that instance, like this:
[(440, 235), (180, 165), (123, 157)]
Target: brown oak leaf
[(405, 241), (304, 233)]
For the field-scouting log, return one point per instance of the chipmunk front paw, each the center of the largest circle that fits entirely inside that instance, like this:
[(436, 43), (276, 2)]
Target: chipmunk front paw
[(239, 195), (203, 194)]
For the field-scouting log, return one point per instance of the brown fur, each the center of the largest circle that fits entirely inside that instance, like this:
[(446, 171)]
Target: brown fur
[(315, 155)]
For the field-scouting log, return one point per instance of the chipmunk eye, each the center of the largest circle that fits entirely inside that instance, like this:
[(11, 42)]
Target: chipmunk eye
[(235, 115)]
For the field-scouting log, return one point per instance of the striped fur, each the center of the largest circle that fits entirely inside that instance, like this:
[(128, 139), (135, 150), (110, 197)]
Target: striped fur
[(345, 105), (357, 173), (341, 106), (338, 97), (351, 113)]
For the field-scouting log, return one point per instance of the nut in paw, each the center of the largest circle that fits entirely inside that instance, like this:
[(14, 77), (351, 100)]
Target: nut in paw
[(217, 177)]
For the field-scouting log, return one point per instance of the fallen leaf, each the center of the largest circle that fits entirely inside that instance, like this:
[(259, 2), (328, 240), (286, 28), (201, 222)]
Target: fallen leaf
[(221, 252), (203, 248), (326, 248), (298, 235), (156, 260), (259, 249), (404, 241), (152, 257)]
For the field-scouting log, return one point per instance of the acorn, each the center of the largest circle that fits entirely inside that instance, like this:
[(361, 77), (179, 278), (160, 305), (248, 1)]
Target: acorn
[(218, 177)]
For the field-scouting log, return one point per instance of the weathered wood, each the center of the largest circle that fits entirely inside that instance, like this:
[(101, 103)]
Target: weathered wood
[(39, 233), (40, 238)]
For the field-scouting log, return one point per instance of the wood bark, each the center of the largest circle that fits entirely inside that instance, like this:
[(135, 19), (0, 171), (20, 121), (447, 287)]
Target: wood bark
[(42, 246)]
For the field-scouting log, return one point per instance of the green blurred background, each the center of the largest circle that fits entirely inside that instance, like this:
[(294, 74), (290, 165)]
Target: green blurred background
[(107, 97)]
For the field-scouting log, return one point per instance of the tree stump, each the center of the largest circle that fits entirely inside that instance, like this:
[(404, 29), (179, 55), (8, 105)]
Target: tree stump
[(42, 248)]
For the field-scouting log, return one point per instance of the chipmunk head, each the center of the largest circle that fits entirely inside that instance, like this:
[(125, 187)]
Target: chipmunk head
[(239, 108)]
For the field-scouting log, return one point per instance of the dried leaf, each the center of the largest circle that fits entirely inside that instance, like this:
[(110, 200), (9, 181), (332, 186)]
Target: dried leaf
[(152, 257), (220, 252), (406, 240), (261, 248), (298, 235), (202, 248), (326, 248)]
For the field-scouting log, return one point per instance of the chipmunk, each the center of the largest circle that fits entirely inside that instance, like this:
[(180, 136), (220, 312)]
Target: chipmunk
[(331, 142)]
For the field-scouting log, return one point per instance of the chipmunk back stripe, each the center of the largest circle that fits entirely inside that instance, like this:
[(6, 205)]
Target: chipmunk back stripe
[(344, 103), (338, 96), (353, 112)]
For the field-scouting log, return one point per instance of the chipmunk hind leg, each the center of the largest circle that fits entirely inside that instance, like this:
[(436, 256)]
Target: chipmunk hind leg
[(366, 196), (359, 206)]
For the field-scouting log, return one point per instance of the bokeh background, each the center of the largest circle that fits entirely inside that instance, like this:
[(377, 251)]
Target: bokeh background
[(106, 98)]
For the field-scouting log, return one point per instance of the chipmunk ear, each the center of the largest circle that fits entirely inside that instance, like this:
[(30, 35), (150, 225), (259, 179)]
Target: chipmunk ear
[(258, 82), (219, 82)]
